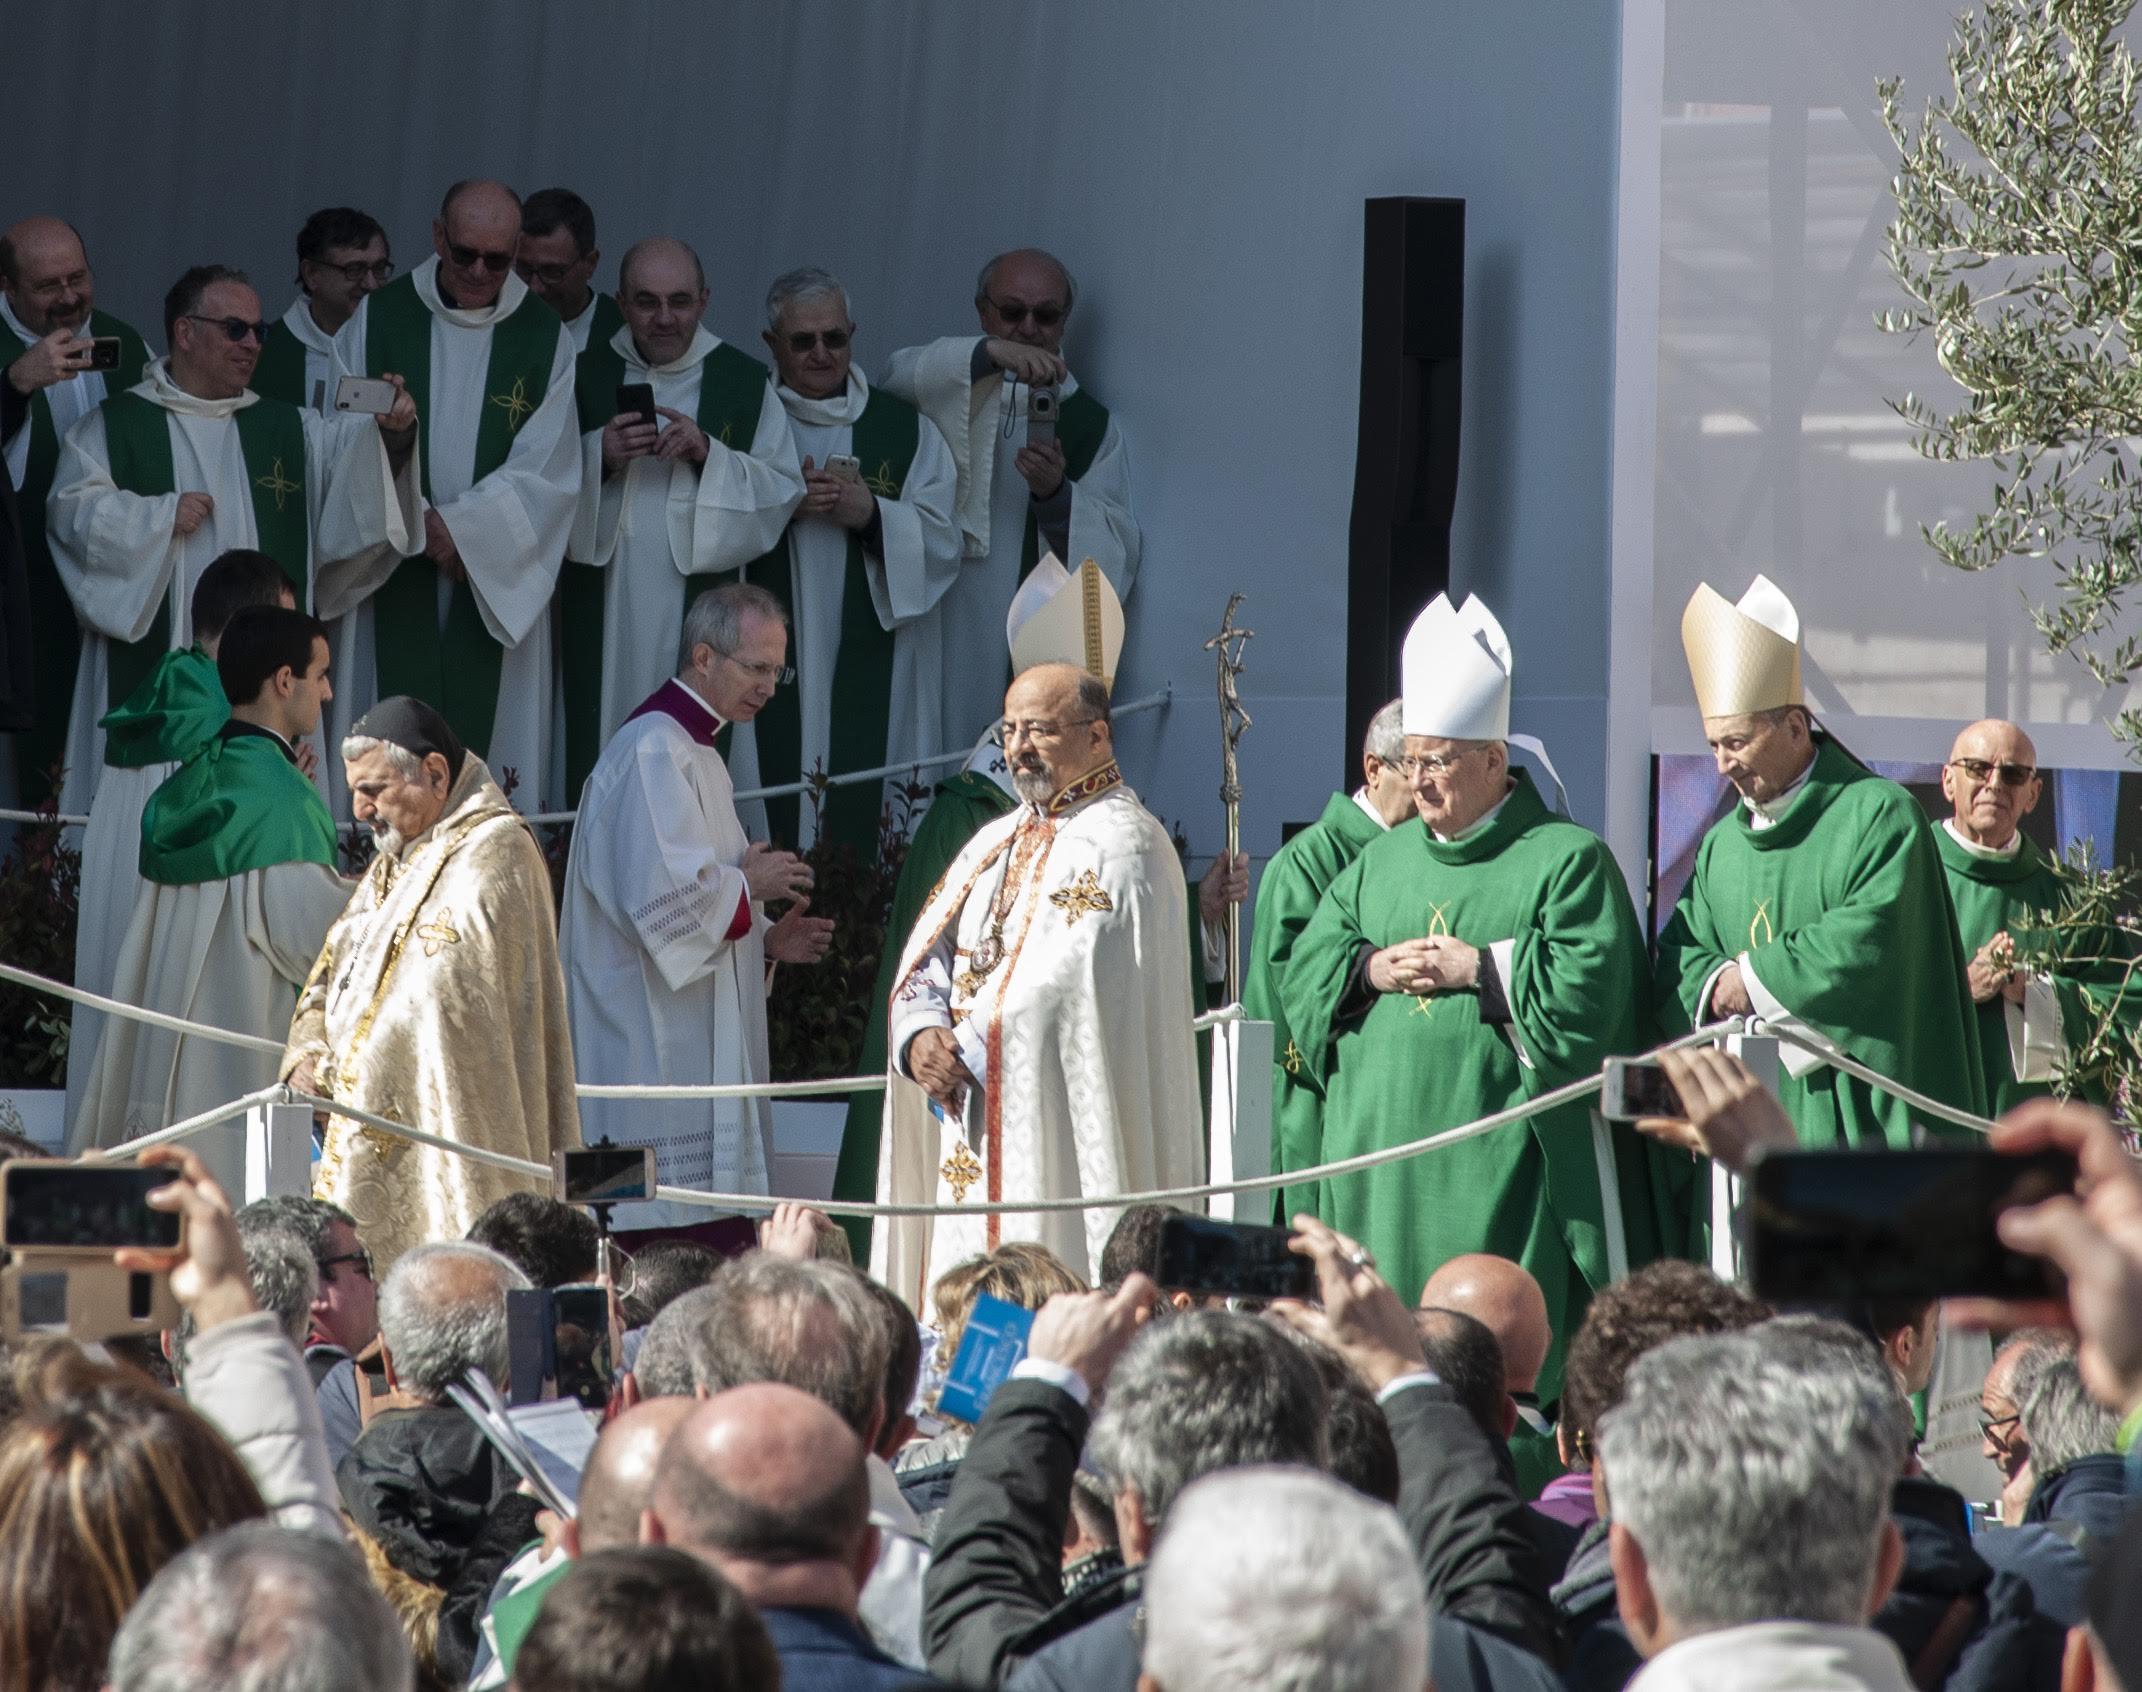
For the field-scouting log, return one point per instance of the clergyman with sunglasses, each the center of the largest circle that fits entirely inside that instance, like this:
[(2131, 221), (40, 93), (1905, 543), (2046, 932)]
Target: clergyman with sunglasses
[(1043, 467), (163, 478), (461, 619)]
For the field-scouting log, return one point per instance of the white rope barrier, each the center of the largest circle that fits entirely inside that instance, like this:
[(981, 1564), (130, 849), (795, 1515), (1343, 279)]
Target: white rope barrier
[(66, 819), (740, 1090), (1836, 1059), (194, 1124), (135, 1013)]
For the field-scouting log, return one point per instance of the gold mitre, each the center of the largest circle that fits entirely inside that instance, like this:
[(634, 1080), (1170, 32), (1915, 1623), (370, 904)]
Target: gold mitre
[(1743, 657), (1061, 616)]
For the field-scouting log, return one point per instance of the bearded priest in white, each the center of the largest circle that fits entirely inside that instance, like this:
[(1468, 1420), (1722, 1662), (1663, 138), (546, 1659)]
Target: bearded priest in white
[(667, 502), (465, 624), (1028, 484), (160, 480), (666, 941), (1044, 1007)]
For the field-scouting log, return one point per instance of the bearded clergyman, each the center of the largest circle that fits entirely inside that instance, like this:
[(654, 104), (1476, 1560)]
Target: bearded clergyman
[(438, 1000)]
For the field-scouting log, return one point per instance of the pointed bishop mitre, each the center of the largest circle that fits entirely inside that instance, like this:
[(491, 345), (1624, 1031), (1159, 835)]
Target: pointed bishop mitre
[(1061, 616), (1745, 657), (1455, 673)]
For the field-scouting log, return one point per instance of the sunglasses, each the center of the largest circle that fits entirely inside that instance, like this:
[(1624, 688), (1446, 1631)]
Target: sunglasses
[(362, 1259), (550, 275), (803, 340), (235, 329), (357, 270), (2002, 775), (468, 258), (1044, 316)]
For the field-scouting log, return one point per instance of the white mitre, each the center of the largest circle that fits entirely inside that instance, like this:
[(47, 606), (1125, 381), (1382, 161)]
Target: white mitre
[(1061, 616), (1455, 673), (1744, 657)]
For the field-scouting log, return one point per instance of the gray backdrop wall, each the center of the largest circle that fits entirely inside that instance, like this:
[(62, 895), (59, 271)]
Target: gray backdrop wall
[(1199, 163)]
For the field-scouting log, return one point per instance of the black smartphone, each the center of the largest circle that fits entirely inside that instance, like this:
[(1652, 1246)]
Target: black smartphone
[(104, 352), (60, 1206), (531, 1344), (604, 1175), (1237, 1259), (580, 1342), (637, 399), (1830, 1226)]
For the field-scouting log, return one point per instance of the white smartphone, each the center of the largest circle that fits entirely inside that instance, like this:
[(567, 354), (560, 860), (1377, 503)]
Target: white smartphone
[(371, 395), (844, 465)]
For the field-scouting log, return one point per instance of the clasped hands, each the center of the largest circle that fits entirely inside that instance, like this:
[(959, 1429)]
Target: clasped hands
[(1437, 963), (1992, 974)]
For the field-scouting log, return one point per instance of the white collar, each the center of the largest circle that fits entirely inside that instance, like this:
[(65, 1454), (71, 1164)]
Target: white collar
[(301, 323), (1474, 828), (1995, 853), (703, 343), (1769, 812), (844, 407), (1375, 816), (159, 388), (7, 312), (594, 299), (426, 278)]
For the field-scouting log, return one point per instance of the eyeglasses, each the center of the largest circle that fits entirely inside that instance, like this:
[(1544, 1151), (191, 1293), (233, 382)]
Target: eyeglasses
[(2000, 775), (1043, 729), (550, 275), (779, 674), (1045, 316), (357, 270), (1437, 764), (235, 329), (803, 340), (362, 1260), (468, 258)]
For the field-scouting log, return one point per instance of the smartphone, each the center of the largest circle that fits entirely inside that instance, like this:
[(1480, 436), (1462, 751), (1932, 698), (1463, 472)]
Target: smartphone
[(372, 395), (104, 352), (580, 1343), (636, 399), (1237, 1259), (1637, 1087), (844, 465), (1848, 1226), (48, 1204), (1041, 414), (604, 1175)]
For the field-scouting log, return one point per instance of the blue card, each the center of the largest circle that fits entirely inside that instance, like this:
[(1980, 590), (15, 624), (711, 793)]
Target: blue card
[(990, 1348)]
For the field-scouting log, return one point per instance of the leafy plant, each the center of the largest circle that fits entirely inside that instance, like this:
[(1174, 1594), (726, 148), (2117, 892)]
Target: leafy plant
[(40, 896)]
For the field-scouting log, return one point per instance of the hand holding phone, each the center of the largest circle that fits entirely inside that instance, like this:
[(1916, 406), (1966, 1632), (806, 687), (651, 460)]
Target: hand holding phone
[(372, 396), (636, 399), (1231, 1259), (104, 352), (844, 467)]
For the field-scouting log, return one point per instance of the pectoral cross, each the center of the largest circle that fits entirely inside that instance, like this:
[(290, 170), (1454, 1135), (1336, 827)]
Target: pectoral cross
[(276, 483), (515, 403), (961, 1170)]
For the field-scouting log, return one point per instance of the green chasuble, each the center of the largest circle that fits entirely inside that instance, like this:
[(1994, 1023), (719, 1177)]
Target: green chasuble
[(238, 803), (1287, 898), (732, 388), (455, 670), (271, 439), (180, 706), (1843, 912), (1413, 1065), (280, 372), (884, 442), (55, 633)]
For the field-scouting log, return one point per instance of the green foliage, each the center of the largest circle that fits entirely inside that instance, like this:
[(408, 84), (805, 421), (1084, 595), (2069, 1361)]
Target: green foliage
[(2092, 946), (40, 891)]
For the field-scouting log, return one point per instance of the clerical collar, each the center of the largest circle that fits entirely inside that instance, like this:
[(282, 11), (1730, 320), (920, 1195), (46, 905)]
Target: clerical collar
[(1474, 828), (236, 730), (1998, 854), (425, 279), (1088, 786), (1768, 813), (306, 327), (703, 342), (676, 701), (1369, 810), (831, 411), (165, 391)]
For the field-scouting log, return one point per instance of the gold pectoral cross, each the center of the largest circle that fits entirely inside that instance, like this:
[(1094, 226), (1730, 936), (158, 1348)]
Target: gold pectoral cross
[(1076, 898), (1761, 919), (961, 1170), (276, 483), (515, 403)]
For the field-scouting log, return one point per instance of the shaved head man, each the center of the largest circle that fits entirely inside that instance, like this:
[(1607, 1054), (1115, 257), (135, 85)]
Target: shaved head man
[(617, 1486), (476, 235), (1991, 782), (1502, 1295)]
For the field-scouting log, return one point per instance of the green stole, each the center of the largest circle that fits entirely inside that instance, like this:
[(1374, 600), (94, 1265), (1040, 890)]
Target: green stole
[(608, 321), (280, 374), (55, 631), (163, 720), (732, 388), (1081, 423), (454, 670), (885, 437), (238, 803), (271, 436)]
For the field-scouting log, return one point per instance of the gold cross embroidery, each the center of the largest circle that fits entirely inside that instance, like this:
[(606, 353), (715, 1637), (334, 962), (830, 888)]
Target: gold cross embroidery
[(723, 437), (961, 1170), (882, 482), (1762, 918), (1078, 897), (1438, 924), (1293, 1059), (515, 403), (276, 483), (438, 935), (387, 1148)]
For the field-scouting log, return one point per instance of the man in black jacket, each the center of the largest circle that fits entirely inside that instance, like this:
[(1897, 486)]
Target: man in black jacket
[(1200, 1393)]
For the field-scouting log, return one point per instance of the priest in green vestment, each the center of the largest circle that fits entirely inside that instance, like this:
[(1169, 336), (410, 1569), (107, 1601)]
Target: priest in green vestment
[(1293, 882), (1819, 903), (238, 854), (342, 256), (1467, 961), (49, 311)]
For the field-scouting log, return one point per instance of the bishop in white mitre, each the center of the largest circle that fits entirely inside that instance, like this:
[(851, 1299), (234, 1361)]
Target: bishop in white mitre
[(868, 556), (1039, 1038), (665, 939), (464, 625), (1027, 485), (160, 480), (668, 505)]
